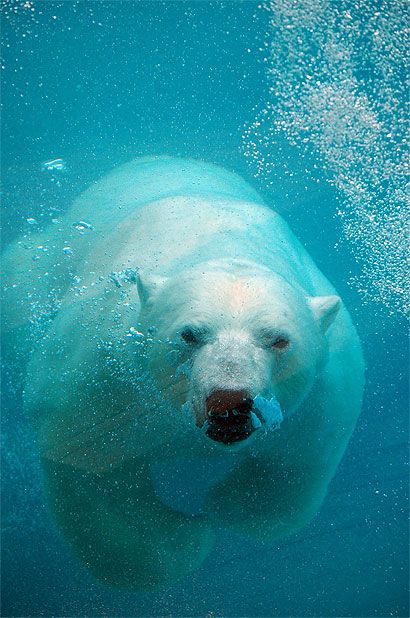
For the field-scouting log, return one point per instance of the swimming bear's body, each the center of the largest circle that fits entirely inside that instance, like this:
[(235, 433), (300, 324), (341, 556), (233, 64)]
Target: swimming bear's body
[(188, 299)]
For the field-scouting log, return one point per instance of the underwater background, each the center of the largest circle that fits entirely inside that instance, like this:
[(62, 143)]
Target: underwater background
[(306, 100)]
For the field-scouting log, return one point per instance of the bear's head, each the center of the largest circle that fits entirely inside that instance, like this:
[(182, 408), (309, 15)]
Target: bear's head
[(222, 333)]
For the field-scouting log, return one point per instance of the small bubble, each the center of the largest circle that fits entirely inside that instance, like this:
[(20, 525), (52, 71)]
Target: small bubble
[(54, 165), (136, 334), (81, 226)]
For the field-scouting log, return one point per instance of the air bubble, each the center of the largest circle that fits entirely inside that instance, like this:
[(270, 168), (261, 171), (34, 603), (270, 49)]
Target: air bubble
[(54, 165), (83, 226), (134, 333)]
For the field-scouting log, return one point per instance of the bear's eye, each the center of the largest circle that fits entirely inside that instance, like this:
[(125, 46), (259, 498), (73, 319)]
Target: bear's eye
[(192, 336), (280, 343), (273, 340)]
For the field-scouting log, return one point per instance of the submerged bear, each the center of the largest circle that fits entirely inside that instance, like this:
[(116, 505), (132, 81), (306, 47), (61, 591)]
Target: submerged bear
[(187, 321)]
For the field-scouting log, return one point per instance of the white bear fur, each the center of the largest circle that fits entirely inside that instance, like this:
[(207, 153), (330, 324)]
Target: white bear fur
[(108, 403)]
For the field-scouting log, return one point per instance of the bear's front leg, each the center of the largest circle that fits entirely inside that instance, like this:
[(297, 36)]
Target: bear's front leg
[(120, 530), (263, 499)]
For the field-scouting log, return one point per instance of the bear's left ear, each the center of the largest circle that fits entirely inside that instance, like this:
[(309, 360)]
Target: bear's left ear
[(325, 309), (148, 286)]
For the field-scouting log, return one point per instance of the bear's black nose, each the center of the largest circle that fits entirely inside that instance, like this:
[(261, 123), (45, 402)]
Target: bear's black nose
[(229, 416)]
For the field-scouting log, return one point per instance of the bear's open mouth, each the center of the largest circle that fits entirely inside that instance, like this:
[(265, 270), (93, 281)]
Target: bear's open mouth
[(233, 416), (234, 427), (229, 417)]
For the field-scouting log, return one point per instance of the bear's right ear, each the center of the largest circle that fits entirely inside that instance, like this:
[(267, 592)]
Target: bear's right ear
[(148, 286), (325, 309)]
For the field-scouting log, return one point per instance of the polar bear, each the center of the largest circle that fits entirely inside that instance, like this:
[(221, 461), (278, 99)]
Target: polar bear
[(183, 299)]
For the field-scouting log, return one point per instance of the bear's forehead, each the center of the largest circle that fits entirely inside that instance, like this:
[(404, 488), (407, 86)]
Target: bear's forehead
[(219, 294), (240, 294)]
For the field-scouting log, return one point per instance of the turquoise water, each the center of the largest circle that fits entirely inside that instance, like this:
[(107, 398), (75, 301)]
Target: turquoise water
[(305, 101)]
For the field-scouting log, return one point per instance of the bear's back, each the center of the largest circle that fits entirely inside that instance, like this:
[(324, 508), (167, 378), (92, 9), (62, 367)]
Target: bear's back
[(103, 206), (150, 179)]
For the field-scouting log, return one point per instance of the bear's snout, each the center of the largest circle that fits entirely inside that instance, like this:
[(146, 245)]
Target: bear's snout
[(229, 416)]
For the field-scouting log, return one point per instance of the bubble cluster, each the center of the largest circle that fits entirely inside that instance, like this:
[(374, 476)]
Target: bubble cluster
[(336, 76)]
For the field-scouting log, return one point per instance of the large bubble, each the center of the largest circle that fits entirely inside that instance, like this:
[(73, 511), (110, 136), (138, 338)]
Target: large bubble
[(336, 76)]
